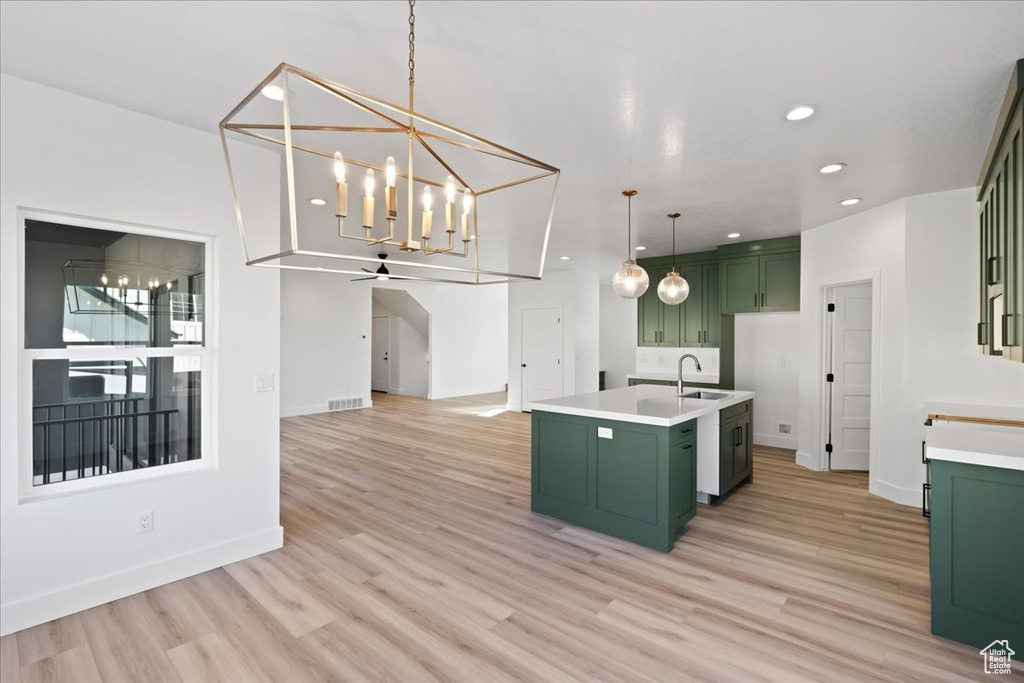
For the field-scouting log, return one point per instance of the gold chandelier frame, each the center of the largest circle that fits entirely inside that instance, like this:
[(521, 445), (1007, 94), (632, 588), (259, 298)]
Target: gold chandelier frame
[(389, 114)]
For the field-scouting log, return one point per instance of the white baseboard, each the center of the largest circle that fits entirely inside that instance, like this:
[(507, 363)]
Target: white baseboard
[(313, 410), (897, 494), (775, 440), (469, 391), (39, 609), (809, 461)]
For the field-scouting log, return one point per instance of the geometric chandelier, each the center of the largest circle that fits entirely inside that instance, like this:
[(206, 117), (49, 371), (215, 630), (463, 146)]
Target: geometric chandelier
[(471, 211)]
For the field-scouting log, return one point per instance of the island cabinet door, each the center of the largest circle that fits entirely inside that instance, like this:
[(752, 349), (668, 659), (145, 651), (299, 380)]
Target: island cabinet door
[(735, 447), (682, 493)]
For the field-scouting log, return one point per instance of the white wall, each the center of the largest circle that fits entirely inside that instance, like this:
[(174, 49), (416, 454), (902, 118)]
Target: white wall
[(64, 153), (468, 338), (763, 341), (577, 294), (866, 246), (922, 254), (618, 337), (325, 341)]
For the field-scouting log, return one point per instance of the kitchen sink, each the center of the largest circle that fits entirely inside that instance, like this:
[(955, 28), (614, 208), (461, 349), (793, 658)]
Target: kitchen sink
[(705, 395)]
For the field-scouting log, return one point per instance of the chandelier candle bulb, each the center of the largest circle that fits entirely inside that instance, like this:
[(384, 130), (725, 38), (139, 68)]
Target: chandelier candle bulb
[(368, 200), (390, 191), (428, 215), (449, 204), (467, 206), (341, 187)]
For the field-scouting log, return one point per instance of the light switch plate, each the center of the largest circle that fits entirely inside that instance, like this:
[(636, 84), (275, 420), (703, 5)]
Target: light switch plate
[(604, 432), (264, 383)]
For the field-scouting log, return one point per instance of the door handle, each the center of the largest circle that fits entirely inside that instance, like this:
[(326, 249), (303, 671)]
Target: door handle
[(755, 299), (524, 365), (762, 299)]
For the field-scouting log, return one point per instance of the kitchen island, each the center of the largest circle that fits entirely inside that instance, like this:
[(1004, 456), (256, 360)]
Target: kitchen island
[(630, 462)]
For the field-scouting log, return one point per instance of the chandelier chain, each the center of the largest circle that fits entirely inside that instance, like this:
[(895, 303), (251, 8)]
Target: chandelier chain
[(412, 42)]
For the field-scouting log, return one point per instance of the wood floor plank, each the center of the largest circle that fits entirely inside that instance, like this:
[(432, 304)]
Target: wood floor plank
[(297, 610), (416, 557), (10, 663), (76, 664), (212, 659)]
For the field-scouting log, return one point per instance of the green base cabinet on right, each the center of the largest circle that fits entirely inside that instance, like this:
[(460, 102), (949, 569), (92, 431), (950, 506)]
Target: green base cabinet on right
[(977, 553)]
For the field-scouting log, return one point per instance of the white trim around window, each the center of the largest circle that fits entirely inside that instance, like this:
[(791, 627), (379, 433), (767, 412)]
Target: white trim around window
[(207, 355)]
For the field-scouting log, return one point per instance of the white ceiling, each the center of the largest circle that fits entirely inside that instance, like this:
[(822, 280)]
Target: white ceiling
[(683, 101)]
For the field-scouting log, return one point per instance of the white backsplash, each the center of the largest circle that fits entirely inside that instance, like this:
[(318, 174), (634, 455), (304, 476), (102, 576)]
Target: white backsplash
[(664, 359)]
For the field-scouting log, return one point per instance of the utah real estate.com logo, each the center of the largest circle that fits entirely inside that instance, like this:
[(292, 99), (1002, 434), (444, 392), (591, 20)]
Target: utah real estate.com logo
[(997, 657)]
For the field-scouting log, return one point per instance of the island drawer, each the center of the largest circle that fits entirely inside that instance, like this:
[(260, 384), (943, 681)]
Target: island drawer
[(686, 431), (735, 411)]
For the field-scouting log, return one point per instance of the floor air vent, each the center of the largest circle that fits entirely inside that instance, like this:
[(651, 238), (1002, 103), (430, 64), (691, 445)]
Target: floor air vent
[(344, 403)]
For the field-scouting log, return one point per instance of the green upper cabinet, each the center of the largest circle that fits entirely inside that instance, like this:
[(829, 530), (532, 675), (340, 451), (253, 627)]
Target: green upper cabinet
[(1001, 231), (780, 282), (760, 276), (692, 310), (712, 306), (736, 278), (740, 285), (693, 323)]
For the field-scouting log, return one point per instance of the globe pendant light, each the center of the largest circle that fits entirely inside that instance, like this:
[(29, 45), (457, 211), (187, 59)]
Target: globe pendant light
[(630, 281), (673, 289)]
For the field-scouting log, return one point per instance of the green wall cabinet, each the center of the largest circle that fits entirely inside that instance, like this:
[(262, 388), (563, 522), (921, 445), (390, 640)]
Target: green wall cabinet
[(694, 323), (657, 324), (763, 283), (639, 483), (1001, 232), (741, 288), (977, 553)]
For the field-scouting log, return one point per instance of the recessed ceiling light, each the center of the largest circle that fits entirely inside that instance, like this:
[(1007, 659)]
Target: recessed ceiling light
[(640, 248), (273, 91), (316, 201), (851, 201), (563, 258), (832, 168), (801, 112), (733, 235)]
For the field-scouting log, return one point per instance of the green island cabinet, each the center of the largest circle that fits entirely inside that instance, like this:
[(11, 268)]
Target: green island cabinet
[(635, 481), (1001, 231), (762, 276), (735, 447), (977, 553)]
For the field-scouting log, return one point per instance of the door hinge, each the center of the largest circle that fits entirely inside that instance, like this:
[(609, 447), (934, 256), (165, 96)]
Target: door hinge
[(828, 448), (831, 308), (830, 377), (559, 320)]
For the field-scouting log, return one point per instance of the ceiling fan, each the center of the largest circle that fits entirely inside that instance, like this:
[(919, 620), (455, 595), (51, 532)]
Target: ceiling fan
[(379, 274)]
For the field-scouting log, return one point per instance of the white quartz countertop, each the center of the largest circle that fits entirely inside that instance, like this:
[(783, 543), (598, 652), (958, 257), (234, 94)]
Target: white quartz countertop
[(643, 404), (976, 444), (990, 446), (702, 377)]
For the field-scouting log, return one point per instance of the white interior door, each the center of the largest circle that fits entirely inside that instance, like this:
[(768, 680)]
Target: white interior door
[(380, 349), (541, 354), (851, 386)]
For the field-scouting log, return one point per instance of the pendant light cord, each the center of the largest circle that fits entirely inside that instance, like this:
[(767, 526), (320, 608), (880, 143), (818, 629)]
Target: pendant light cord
[(629, 229), (673, 243)]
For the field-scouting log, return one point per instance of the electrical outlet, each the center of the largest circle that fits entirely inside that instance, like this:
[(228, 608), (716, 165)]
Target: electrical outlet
[(785, 428), (144, 522), (643, 357), (782, 362)]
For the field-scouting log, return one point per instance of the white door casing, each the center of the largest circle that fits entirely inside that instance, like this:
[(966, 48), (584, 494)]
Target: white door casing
[(380, 350), (850, 414), (541, 359)]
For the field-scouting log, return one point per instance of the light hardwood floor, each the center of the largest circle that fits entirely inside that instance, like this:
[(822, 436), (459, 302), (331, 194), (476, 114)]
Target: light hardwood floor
[(411, 554)]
